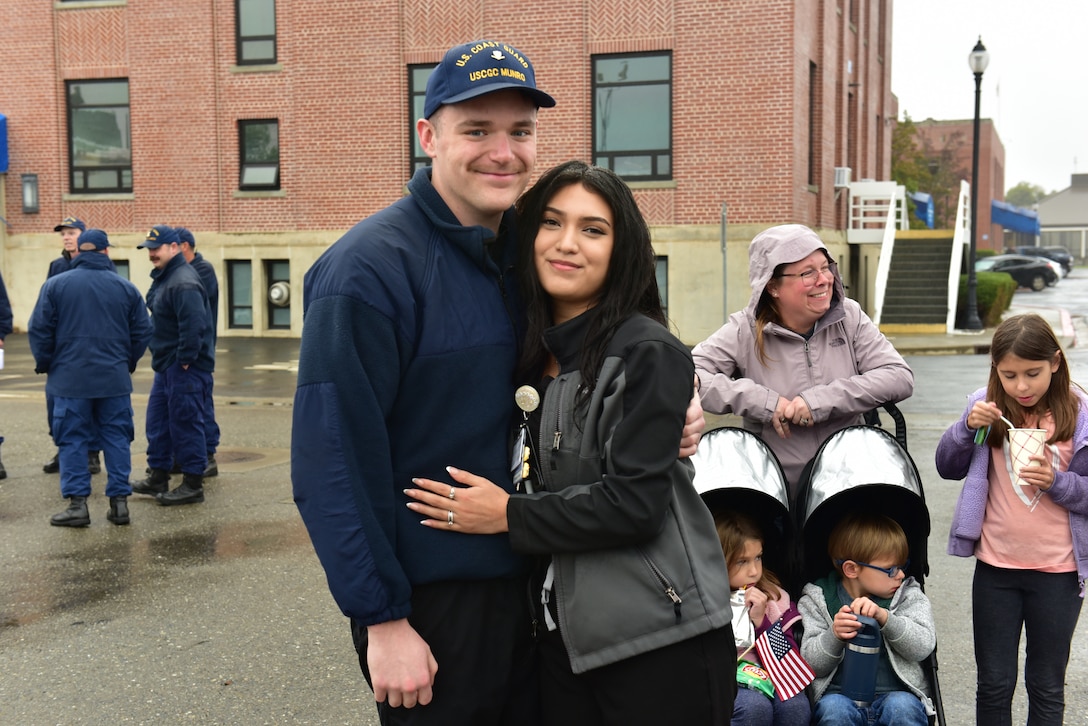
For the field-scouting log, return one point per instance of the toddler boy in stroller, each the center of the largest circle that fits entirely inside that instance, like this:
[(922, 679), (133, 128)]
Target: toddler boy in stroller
[(870, 553)]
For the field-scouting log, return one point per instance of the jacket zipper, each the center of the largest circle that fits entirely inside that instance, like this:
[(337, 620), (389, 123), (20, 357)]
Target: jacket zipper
[(670, 591), (558, 418)]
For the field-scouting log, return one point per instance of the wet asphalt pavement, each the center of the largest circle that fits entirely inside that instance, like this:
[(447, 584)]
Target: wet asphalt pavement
[(219, 613), (216, 613)]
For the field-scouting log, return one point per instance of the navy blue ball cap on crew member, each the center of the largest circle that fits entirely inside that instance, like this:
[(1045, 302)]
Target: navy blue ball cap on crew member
[(184, 235), (71, 222), (480, 67), (159, 235), (93, 239)]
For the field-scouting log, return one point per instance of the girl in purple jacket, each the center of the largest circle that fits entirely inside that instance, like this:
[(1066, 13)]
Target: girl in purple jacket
[(1029, 536)]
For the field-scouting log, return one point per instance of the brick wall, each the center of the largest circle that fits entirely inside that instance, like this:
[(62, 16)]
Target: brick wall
[(742, 104), (956, 136)]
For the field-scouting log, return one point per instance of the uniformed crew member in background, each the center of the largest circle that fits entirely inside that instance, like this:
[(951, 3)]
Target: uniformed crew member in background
[(69, 229), (206, 271), (5, 331), (183, 358), (88, 331)]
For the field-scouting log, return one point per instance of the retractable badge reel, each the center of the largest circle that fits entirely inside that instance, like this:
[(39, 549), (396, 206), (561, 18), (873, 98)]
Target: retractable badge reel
[(527, 400)]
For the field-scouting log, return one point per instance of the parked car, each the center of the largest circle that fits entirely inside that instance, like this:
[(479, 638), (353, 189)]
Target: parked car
[(1033, 272), (1057, 253)]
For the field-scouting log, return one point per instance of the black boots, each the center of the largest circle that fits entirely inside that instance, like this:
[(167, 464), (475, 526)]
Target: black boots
[(191, 491), (118, 513), (156, 483), (3, 471), (210, 469), (76, 515), (94, 464)]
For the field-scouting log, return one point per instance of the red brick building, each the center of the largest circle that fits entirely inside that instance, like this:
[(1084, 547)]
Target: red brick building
[(269, 127), (949, 144)]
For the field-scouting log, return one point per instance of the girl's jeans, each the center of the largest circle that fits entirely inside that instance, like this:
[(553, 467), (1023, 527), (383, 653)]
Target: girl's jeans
[(1046, 606)]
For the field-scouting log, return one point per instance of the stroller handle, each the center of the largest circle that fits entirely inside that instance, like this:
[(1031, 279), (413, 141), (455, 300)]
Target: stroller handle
[(872, 418)]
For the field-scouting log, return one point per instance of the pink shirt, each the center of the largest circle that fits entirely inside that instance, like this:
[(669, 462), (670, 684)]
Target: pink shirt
[(1016, 533)]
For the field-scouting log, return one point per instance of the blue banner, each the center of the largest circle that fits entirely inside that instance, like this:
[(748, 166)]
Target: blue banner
[(923, 207), (1017, 219)]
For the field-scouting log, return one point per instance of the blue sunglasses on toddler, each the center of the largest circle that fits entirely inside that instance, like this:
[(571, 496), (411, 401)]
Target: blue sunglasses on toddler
[(889, 571)]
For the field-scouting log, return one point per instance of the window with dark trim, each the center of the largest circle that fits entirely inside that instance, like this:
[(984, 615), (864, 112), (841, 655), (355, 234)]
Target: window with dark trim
[(99, 136), (632, 115), (255, 32), (259, 144), (279, 307), (240, 293), (417, 91)]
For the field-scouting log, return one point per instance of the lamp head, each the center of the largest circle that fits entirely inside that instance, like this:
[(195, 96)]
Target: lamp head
[(979, 58)]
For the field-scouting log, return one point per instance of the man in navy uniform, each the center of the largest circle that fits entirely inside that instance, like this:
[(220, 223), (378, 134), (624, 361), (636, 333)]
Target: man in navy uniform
[(211, 287), (5, 331), (183, 358), (70, 229), (88, 331)]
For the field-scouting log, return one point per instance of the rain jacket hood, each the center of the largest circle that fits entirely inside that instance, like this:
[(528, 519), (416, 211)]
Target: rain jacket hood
[(783, 245)]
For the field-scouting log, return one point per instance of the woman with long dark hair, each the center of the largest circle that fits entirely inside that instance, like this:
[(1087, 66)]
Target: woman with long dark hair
[(633, 592)]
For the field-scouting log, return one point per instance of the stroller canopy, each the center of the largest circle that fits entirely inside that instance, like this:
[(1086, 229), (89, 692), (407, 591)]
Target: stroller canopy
[(862, 468), (736, 470)]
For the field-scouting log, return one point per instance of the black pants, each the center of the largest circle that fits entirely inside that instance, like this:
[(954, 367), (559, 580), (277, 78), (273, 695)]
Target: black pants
[(692, 682), (1046, 606), (480, 634)]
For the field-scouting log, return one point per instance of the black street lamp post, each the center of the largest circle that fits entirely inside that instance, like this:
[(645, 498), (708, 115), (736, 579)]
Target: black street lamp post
[(978, 60)]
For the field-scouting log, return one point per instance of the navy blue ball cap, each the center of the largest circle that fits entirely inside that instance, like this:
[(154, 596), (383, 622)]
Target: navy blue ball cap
[(480, 67), (159, 235), (71, 222), (184, 235), (93, 239)]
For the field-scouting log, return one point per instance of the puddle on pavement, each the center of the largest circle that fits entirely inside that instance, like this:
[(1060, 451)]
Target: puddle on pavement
[(106, 570)]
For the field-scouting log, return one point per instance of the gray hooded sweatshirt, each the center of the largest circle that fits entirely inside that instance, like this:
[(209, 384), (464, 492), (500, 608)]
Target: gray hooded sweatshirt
[(845, 368)]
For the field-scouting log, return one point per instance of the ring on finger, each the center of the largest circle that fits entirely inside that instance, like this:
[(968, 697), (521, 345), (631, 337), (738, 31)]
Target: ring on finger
[(452, 489), (449, 517)]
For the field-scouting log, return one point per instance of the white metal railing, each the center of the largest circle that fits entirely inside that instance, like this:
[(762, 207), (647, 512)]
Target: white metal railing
[(877, 210), (960, 239), (870, 205)]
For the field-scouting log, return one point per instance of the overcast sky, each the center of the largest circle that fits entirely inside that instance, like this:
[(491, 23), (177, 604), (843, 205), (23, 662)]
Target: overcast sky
[(1035, 88)]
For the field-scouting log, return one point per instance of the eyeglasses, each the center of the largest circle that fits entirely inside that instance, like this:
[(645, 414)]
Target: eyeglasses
[(809, 276), (892, 571)]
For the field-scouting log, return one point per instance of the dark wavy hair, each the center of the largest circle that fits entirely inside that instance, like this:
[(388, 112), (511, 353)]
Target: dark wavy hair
[(1030, 337), (631, 283)]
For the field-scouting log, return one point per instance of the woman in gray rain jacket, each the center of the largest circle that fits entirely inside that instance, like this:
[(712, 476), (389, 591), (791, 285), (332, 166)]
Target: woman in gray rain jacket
[(802, 360)]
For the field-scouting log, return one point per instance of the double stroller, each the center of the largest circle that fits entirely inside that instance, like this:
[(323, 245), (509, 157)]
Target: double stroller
[(858, 468)]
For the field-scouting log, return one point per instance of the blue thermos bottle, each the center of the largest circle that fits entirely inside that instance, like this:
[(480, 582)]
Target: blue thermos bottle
[(859, 663)]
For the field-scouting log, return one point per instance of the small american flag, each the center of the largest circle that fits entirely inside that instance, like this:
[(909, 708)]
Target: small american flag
[(788, 670)]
